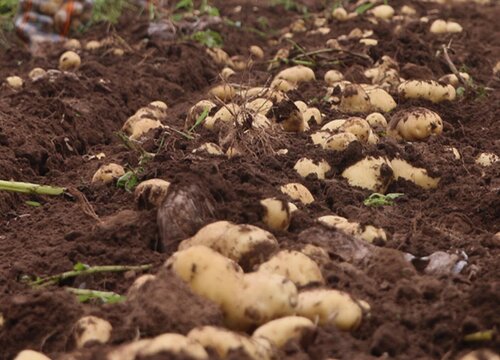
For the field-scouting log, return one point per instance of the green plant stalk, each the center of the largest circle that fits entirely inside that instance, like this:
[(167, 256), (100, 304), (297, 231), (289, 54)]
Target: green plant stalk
[(29, 188), (96, 294), (54, 279), (479, 336)]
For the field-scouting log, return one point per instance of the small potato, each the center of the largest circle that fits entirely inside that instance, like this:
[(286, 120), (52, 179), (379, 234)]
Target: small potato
[(219, 56), (296, 74), (340, 14), (289, 328), (69, 61), (91, 329), (377, 121), (298, 26), (150, 194), (289, 116), (402, 169), (371, 233), (298, 192), (196, 111), (31, 355), (408, 10), (15, 82), (209, 148), (175, 344), (259, 105), (108, 173), (226, 73), (415, 124), (330, 307), (453, 27), (371, 173), (453, 79), (354, 99), (333, 44), (138, 283), (438, 27), (243, 243), (333, 76), (381, 100), (306, 167), (223, 92), (295, 266), (72, 44), (368, 42), (224, 341), (487, 159), (358, 127), (312, 114), (257, 51), (36, 74), (385, 12), (426, 89), (276, 214), (480, 355), (92, 45)]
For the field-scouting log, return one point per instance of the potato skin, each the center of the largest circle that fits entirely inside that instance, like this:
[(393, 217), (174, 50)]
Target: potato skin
[(285, 329)]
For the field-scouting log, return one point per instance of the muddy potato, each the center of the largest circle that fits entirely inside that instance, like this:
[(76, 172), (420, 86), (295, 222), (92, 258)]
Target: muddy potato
[(296, 74), (317, 253), (340, 223), (453, 79), (333, 125), (226, 73), (282, 85), (108, 173), (15, 82), (257, 51), (223, 92), (354, 99), (175, 344), (426, 89), (330, 307), (91, 329), (219, 56), (372, 173), (381, 100), (487, 159), (289, 328), (36, 74), (138, 283), (289, 116), (72, 44), (227, 113), (319, 137), (377, 121), (415, 124), (358, 127), (69, 61), (371, 233), (224, 341), (302, 106), (333, 76), (259, 105), (150, 194), (31, 355), (295, 266), (276, 214), (419, 176), (241, 243), (298, 192), (385, 12), (142, 126), (306, 167), (196, 111), (312, 114), (92, 45), (480, 355)]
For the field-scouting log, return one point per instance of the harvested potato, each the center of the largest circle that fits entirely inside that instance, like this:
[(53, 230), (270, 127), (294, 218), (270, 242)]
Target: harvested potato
[(288, 328), (340, 14), (175, 344), (289, 116), (219, 56), (226, 73), (298, 192), (438, 27), (276, 213), (138, 283), (244, 244), (372, 173), (15, 82), (385, 12), (368, 42), (92, 45), (224, 341), (223, 92), (333, 76), (453, 27), (408, 10), (118, 52), (487, 159), (319, 137), (295, 266), (358, 127), (453, 79), (317, 253), (36, 74), (312, 113), (69, 61), (339, 142), (330, 307), (233, 151), (402, 169), (257, 51), (128, 351), (91, 329), (209, 148), (381, 100), (354, 99), (296, 74), (30, 355), (108, 173), (415, 124), (196, 111), (306, 167), (259, 105), (302, 106), (142, 126), (150, 194), (333, 125), (480, 355), (371, 233), (426, 89), (282, 85), (377, 121), (72, 44), (340, 223), (227, 113)]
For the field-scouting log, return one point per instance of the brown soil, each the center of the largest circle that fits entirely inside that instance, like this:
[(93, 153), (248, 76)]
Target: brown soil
[(47, 127)]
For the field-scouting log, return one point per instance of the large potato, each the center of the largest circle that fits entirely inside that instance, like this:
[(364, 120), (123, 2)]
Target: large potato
[(372, 173), (419, 176), (426, 89), (245, 244), (294, 265), (415, 124), (91, 329), (288, 328), (175, 344)]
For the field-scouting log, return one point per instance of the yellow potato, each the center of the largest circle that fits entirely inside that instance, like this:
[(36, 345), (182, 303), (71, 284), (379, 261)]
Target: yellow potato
[(377, 121), (330, 307), (453, 27), (37, 73), (368, 42), (306, 167), (333, 44), (358, 127), (196, 111), (381, 100), (312, 113), (219, 56), (298, 192), (333, 125), (354, 99), (209, 148), (340, 14), (282, 85), (302, 106), (288, 328), (15, 82), (370, 173), (317, 253), (453, 79), (175, 344), (333, 76), (487, 159), (340, 223), (276, 213), (426, 89), (151, 193), (295, 266), (385, 12), (69, 61), (438, 27), (298, 26), (296, 74), (259, 105), (223, 92), (91, 329), (142, 126), (137, 284), (257, 51), (227, 113), (108, 173), (402, 169), (92, 45), (31, 355), (319, 137), (415, 124)]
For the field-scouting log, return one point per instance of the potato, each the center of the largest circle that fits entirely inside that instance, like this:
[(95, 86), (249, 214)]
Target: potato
[(137, 284), (227, 113), (426, 89), (298, 26), (480, 355), (142, 126), (368, 42), (333, 76), (453, 27), (330, 307), (288, 328), (209, 148), (223, 92), (302, 106), (385, 12), (118, 52), (276, 213), (298, 192), (195, 112), (108, 173), (306, 167), (333, 44), (150, 194), (408, 10), (224, 341), (487, 159), (339, 142), (340, 223), (496, 68), (312, 113), (69, 61), (380, 100), (402, 169), (159, 107), (377, 121), (372, 173), (91, 329), (219, 56), (454, 151), (128, 351), (36, 74), (317, 253), (295, 266), (371, 233), (259, 105), (242, 243), (15, 82), (415, 124), (319, 137), (453, 79), (354, 99), (289, 116), (31, 355), (340, 14), (226, 73), (296, 74), (92, 45), (175, 344), (257, 51), (282, 85), (233, 151), (358, 127), (333, 125), (438, 27)]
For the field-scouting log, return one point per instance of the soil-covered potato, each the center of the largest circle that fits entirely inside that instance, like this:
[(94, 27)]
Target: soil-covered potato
[(108, 173), (91, 329), (359, 127), (354, 99), (306, 167), (173, 344), (372, 173), (338, 142), (426, 89), (419, 176), (288, 328), (333, 76), (296, 74), (298, 192), (138, 283), (36, 74), (151, 193), (381, 100), (277, 213), (415, 124), (69, 61), (368, 233), (487, 159)]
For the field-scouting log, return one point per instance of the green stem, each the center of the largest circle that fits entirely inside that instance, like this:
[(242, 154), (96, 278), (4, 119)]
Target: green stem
[(86, 294), (54, 279), (28, 188)]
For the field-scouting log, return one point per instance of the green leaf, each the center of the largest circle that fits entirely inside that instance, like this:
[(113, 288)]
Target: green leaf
[(128, 181), (363, 8), (209, 38), (200, 119), (33, 203), (80, 266), (377, 199), (184, 4), (460, 91)]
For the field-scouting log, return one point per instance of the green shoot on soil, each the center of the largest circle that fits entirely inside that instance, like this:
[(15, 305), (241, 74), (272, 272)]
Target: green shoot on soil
[(129, 180), (209, 38), (377, 199), (108, 10), (364, 8), (107, 297), (199, 120), (29, 188), (480, 336)]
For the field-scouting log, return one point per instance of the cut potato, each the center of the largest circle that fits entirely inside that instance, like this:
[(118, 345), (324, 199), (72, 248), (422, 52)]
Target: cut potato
[(426, 89), (381, 100), (333, 76), (174, 344), (289, 328), (298, 192), (354, 99), (15, 82), (403, 169), (69, 61), (241, 243), (108, 173), (296, 74), (415, 124), (150, 194), (372, 173), (295, 266), (91, 329), (330, 307), (306, 167), (31, 355), (487, 159), (276, 214)]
